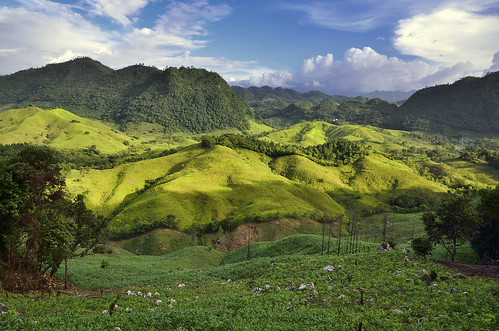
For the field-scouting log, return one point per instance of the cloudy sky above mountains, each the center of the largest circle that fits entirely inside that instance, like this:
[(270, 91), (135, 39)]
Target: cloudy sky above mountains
[(336, 46)]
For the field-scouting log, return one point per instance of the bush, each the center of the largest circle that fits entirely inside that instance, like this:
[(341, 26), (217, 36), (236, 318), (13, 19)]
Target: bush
[(422, 246)]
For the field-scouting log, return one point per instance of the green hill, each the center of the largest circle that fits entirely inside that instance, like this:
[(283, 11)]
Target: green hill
[(197, 185), (315, 133), (470, 104), (180, 99), (59, 128)]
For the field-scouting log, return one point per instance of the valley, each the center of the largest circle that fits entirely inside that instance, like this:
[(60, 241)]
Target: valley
[(229, 202)]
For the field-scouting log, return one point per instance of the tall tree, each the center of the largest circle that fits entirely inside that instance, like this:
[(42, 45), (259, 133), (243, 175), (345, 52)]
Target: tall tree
[(486, 241), (39, 225), (454, 223)]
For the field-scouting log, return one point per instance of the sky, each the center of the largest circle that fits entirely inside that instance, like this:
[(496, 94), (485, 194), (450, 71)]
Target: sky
[(334, 46)]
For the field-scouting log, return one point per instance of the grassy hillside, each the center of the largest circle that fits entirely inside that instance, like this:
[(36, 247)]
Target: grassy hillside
[(315, 133), (197, 185), (59, 128), (377, 290)]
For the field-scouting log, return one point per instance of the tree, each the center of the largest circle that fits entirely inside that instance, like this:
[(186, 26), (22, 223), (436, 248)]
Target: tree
[(39, 225), (454, 223), (486, 241)]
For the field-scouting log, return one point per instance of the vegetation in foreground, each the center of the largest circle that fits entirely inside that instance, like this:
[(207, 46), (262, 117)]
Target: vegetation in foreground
[(376, 290)]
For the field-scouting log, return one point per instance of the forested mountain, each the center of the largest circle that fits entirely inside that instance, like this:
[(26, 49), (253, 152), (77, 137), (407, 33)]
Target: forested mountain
[(470, 104), (180, 99)]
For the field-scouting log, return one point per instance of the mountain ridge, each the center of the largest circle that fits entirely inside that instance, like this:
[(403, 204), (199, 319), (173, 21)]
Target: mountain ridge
[(180, 99)]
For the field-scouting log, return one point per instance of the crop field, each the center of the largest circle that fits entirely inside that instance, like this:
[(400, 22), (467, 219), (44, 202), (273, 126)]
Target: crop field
[(189, 290)]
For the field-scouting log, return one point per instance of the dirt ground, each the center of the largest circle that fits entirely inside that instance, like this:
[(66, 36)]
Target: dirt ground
[(482, 270)]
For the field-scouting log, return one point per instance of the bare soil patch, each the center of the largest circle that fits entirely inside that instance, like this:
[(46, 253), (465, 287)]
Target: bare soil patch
[(482, 270)]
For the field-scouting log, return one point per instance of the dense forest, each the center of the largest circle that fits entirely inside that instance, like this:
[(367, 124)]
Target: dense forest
[(180, 99)]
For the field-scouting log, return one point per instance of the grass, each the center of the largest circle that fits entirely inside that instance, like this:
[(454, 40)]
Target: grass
[(125, 269), (316, 133), (59, 128), (156, 242), (273, 292), (197, 185)]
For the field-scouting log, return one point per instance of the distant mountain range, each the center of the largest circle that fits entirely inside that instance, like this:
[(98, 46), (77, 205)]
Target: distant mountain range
[(195, 100), (470, 104)]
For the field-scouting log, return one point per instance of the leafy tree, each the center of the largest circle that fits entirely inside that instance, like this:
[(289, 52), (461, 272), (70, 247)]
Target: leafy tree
[(39, 225), (486, 241), (454, 223)]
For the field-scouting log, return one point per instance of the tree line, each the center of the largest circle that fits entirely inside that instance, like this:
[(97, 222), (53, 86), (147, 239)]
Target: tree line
[(336, 152)]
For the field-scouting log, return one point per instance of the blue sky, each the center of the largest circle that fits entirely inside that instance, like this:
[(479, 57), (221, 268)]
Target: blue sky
[(342, 46)]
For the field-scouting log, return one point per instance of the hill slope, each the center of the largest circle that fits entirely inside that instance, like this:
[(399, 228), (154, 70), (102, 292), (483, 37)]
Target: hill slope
[(470, 104), (198, 185), (180, 99), (59, 128)]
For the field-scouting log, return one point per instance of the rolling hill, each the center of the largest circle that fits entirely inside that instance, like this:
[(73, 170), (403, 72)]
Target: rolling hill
[(200, 185), (59, 128)]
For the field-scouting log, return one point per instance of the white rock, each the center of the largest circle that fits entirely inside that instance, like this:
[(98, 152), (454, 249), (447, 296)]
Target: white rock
[(328, 268)]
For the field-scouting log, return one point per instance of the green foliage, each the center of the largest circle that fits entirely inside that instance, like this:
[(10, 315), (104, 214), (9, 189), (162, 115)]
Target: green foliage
[(141, 226), (485, 242), (454, 224), (39, 226), (470, 104), (261, 294), (422, 245), (180, 99), (336, 152), (408, 203)]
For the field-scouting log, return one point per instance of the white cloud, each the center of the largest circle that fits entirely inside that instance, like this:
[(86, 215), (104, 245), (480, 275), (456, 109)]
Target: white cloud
[(449, 36), (366, 15), (189, 18), (495, 65), (361, 70), (119, 10), (43, 31), (37, 37)]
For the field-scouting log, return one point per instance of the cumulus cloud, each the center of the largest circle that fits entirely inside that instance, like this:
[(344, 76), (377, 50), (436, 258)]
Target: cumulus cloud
[(495, 65), (32, 38), (450, 35), (44, 31), (117, 9), (361, 70)]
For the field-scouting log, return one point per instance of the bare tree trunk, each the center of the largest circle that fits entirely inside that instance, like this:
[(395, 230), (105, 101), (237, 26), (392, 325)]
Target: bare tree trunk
[(339, 233), (323, 230), (66, 274)]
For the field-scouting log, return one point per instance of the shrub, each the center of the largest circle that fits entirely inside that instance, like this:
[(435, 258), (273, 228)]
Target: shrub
[(422, 246)]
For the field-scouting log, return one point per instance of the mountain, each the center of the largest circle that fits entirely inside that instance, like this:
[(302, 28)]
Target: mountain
[(268, 94), (180, 99), (469, 104)]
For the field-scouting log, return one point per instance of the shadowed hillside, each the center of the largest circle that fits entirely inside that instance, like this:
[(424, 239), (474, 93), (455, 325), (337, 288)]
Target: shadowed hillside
[(470, 104)]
